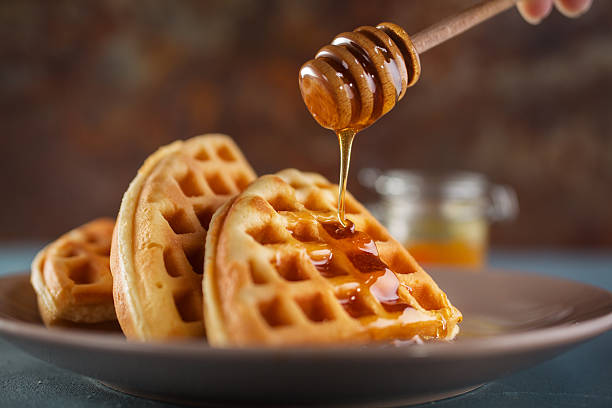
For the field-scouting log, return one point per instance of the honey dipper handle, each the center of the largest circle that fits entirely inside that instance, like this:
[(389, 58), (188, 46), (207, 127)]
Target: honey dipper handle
[(455, 25)]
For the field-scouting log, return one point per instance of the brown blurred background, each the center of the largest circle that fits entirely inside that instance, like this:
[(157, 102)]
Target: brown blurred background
[(89, 89)]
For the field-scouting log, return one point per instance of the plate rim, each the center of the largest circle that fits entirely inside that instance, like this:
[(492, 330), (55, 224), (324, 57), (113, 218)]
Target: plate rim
[(519, 342)]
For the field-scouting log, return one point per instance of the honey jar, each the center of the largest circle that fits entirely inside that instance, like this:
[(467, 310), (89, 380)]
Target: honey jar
[(444, 218)]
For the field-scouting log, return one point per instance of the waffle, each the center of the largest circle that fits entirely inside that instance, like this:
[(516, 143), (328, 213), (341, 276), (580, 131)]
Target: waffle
[(72, 278), (157, 253), (279, 273)]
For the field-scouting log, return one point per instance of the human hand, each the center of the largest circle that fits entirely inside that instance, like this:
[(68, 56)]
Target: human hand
[(535, 10)]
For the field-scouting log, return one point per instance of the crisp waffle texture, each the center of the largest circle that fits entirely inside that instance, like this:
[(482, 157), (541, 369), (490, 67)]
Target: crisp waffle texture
[(261, 285), (72, 278), (157, 254)]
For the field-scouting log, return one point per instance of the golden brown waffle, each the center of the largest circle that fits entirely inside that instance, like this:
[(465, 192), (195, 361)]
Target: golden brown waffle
[(72, 277), (157, 254), (275, 274)]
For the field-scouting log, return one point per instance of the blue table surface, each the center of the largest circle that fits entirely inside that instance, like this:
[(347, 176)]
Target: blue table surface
[(581, 377)]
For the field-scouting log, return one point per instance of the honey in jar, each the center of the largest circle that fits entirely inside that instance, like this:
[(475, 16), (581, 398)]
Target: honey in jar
[(441, 218)]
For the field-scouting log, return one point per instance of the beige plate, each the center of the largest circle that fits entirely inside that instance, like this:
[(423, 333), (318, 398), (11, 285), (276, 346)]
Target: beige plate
[(512, 321)]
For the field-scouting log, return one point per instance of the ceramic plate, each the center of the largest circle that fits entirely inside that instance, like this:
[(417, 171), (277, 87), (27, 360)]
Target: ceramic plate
[(512, 321)]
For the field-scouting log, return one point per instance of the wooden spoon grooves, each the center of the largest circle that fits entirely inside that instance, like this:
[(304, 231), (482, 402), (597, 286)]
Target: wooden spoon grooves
[(359, 77)]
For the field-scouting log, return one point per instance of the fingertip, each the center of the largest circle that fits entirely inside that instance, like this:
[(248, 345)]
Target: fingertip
[(528, 17), (573, 8), (534, 11)]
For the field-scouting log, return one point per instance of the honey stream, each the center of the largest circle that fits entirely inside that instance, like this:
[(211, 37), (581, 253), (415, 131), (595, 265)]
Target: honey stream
[(345, 138), (354, 81)]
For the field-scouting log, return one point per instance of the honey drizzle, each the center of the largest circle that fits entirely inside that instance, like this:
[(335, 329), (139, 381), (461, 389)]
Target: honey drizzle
[(346, 87), (368, 270), (345, 72), (345, 138), (373, 273)]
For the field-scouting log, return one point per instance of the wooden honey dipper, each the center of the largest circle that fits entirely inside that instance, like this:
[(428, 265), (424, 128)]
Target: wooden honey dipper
[(362, 74)]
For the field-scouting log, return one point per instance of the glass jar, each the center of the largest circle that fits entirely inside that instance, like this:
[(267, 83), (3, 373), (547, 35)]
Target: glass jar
[(440, 218)]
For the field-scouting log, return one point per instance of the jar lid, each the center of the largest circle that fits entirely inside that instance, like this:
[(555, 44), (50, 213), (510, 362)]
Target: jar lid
[(410, 186), (417, 184)]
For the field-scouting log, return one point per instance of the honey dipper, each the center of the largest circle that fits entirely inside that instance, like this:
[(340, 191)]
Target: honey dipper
[(362, 74)]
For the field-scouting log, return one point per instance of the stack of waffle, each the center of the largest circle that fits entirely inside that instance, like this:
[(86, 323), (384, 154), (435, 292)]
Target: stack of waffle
[(201, 247)]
